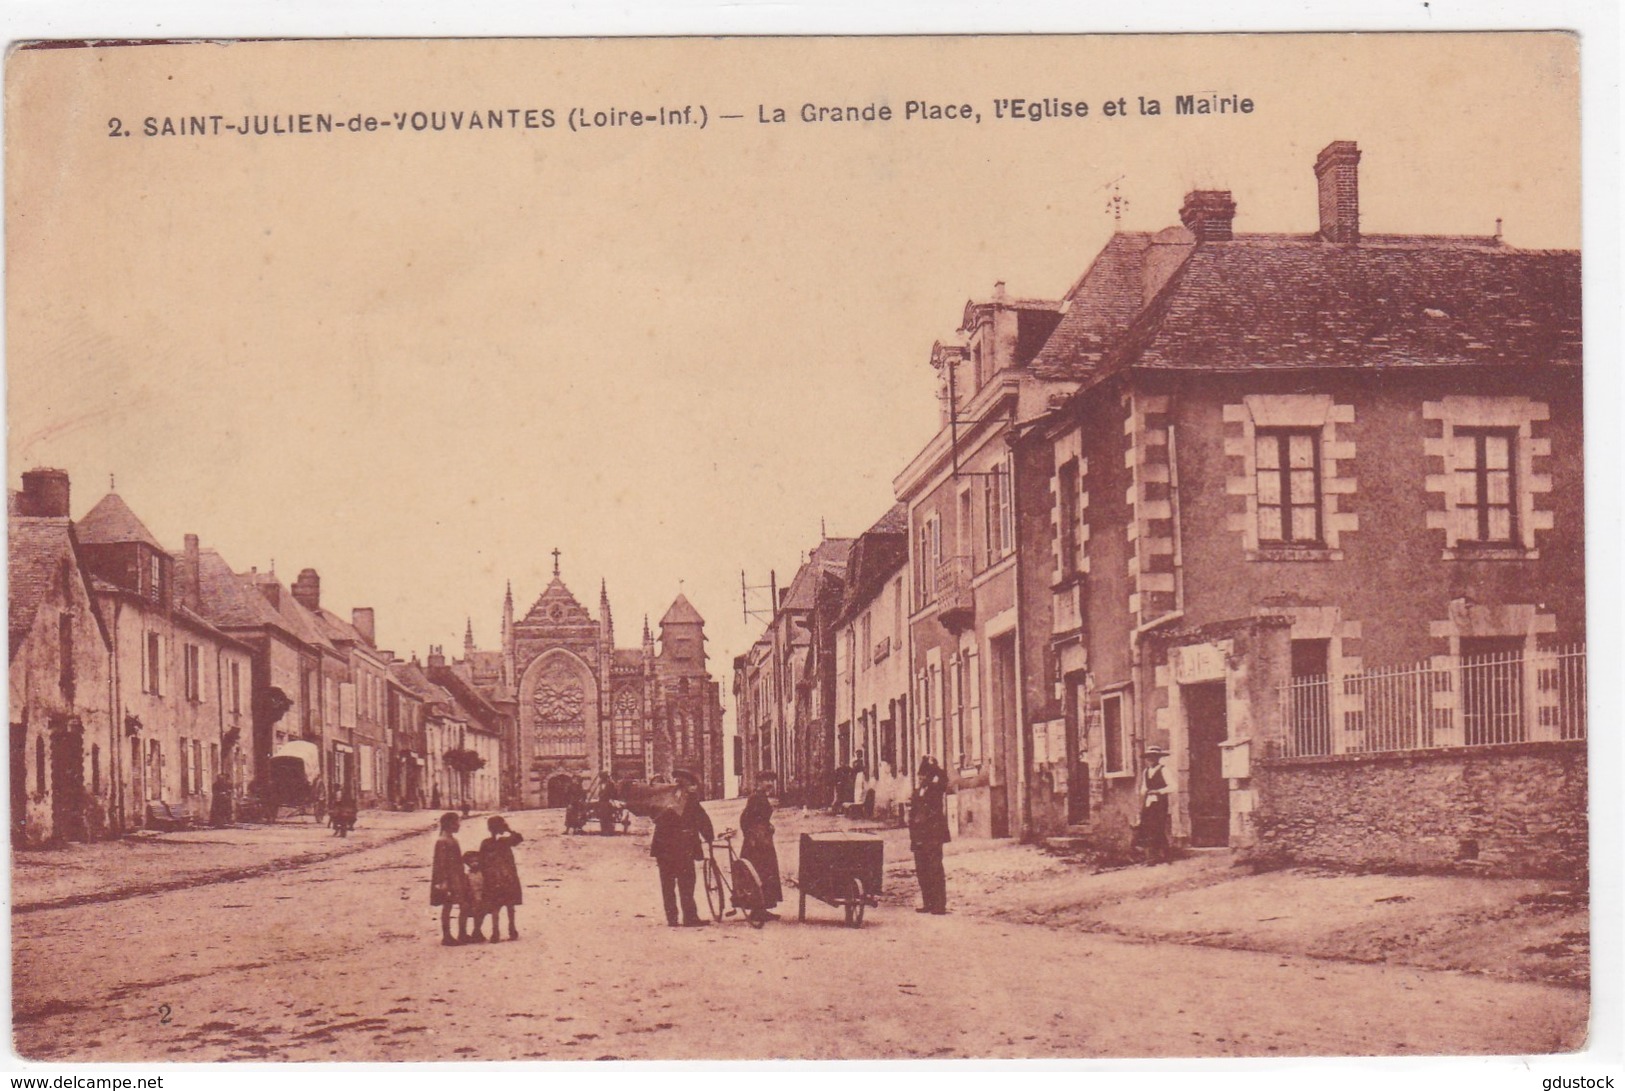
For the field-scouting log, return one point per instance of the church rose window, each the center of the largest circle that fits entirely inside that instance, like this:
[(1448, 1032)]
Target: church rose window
[(558, 703), (560, 727)]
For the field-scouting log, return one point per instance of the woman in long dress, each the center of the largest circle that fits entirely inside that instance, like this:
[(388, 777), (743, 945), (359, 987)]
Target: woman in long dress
[(757, 827)]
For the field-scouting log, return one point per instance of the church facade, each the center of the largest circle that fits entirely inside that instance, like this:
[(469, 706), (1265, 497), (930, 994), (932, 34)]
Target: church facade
[(578, 705)]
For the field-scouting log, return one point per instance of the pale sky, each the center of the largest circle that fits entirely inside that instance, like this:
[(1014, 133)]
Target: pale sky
[(419, 362)]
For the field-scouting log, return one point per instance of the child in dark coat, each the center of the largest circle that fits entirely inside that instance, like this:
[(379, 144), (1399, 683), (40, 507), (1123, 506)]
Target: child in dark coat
[(502, 886), (448, 884)]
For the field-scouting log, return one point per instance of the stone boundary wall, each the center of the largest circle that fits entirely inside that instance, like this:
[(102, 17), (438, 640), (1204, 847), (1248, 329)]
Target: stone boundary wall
[(1517, 809)]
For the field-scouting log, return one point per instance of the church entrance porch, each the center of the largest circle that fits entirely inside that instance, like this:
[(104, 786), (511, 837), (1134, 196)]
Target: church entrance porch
[(563, 789)]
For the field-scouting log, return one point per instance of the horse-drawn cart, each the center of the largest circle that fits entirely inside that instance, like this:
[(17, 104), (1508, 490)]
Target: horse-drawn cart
[(841, 869)]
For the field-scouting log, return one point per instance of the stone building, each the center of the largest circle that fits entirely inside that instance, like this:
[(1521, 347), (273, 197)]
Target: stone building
[(785, 686), (872, 664), (1313, 521), (362, 728), (963, 494), (64, 738), (180, 683), (408, 745), (294, 671), (582, 706)]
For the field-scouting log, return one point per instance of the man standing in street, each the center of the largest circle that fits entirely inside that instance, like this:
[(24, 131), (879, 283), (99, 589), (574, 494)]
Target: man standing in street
[(927, 833), (1152, 833), (676, 846)]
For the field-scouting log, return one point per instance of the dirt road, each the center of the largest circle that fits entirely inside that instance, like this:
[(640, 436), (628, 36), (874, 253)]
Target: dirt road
[(341, 960)]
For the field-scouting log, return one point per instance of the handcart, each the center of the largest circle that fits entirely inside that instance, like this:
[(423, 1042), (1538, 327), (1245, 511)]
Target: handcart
[(841, 869)]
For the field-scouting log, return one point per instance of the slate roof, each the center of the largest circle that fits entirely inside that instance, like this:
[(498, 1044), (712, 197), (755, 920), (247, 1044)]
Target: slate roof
[(230, 600), (877, 555), (1100, 306), (682, 612), (296, 619), (1271, 301), (465, 696), (234, 601), (111, 521), (336, 628), (828, 558)]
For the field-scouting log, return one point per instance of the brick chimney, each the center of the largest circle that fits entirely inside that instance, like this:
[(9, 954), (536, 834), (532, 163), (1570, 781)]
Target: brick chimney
[(307, 590), (45, 493), (1338, 170), (361, 617), (191, 576), (437, 657), (1208, 213)]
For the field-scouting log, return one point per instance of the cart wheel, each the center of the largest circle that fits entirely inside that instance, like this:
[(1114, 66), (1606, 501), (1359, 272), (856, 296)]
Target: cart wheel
[(715, 895), (854, 902), (748, 892)]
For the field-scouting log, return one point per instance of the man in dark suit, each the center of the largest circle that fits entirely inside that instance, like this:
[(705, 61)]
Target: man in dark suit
[(927, 833), (675, 847)]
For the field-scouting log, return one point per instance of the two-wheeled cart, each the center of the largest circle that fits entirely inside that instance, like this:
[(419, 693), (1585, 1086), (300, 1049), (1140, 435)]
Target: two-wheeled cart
[(841, 869)]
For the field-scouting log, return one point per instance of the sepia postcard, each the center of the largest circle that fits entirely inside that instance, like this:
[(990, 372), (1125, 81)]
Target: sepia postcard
[(817, 548)]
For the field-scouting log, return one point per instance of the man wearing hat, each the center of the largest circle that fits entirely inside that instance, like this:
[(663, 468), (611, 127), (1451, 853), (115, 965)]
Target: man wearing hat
[(679, 831), (927, 833), (1152, 834)]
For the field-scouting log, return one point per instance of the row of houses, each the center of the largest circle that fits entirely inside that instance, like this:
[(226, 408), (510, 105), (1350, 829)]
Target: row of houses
[(1304, 510), (151, 686)]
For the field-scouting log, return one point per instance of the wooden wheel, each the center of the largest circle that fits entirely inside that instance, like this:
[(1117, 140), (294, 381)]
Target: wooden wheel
[(854, 903)]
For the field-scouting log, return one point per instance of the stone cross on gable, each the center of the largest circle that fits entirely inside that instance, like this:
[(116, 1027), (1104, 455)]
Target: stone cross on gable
[(555, 562)]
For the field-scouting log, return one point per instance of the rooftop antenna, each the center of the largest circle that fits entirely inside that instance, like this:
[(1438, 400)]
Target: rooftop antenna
[(1116, 203)]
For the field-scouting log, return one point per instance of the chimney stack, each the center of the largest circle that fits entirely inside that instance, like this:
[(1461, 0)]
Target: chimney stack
[(191, 576), (361, 617), (1338, 170), (307, 590), (1208, 213), (437, 656), (45, 493), (268, 585)]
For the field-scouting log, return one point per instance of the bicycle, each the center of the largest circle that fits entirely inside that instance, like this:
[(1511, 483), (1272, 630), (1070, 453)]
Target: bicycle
[(736, 888)]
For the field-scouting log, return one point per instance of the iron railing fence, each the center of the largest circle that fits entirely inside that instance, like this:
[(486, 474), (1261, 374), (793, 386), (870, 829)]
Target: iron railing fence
[(1450, 701)]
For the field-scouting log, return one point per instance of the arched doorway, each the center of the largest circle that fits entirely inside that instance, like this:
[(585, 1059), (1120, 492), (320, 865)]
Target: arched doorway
[(562, 790)]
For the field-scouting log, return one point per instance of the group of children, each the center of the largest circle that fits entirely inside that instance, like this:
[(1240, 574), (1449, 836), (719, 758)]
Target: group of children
[(477, 884)]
